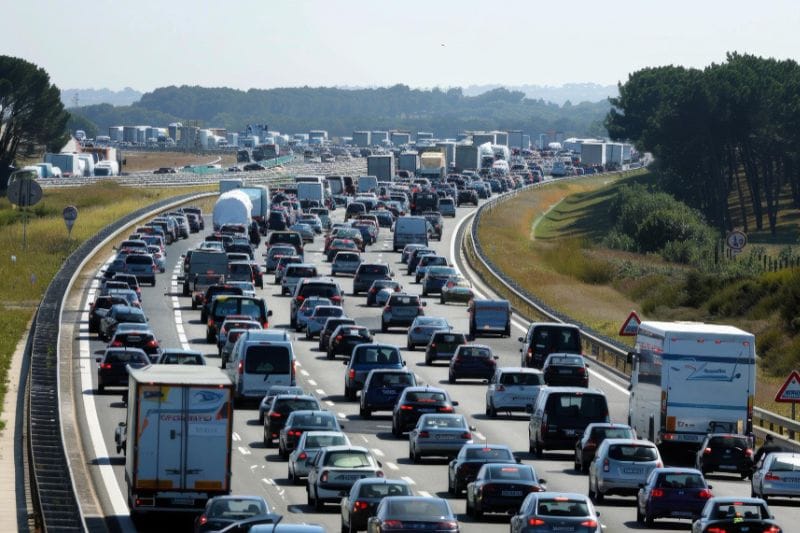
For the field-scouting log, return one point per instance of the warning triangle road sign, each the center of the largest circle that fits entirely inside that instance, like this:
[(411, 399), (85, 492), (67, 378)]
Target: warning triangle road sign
[(790, 390), (631, 325)]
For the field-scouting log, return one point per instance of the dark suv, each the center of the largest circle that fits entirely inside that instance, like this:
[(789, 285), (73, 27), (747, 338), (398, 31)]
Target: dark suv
[(282, 405), (366, 357), (401, 310), (416, 401), (212, 292), (566, 370), (112, 366), (382, 388), (330, 326), (443, 345), (725, 452), (322, 287)]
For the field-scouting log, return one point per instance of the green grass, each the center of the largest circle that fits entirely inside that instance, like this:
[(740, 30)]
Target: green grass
[(26, 273)]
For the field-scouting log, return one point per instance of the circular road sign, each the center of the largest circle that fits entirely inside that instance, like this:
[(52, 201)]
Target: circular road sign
[(70, 214), (23, 189), (736, 240)]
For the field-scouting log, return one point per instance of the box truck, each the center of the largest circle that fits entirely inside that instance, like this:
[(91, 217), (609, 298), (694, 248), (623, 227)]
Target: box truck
[(178, 447), (467, 157), (690, 379), (259, 197), (432, 165), (381, 166)]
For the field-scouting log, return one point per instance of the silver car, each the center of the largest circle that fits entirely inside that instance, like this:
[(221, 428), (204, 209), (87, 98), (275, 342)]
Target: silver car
[(778, 474), (438, 434), (316, 321), (306, 450), (620, 466), (513, 389), (248, 289), (422, 329), (345, 263), (307, 309)]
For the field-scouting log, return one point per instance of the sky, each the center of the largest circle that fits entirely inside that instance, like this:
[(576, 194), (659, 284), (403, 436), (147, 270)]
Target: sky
[(145, 44)]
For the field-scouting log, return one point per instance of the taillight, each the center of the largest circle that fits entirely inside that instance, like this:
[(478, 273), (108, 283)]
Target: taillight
[(466, 435), (302, 456), (336, 298), (116, 344), (351, 374), (106, 366), (705, 494), (338, 338), (406, 407), (275, 415), (581, 371), (707, 451), (449, 524), (300, 298), (773, 529), (203, 519), (769, 476), (748, 452), (657, 493), (715, 529), (392, 524), (446, 409), (210, 323), (387, 308), (360, 506), (589, 523), (535, 522), (424, 434), (241, 367), (379, 473), (152, 343), (606, 467), (324, 477), (295, 433)]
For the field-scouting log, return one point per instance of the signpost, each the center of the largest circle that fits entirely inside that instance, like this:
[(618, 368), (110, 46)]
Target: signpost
[(70, 214), (23, 191), (790, 391), (631, 325), (736, 241)]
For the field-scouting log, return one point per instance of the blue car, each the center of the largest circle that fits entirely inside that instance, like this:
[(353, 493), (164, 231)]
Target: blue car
[(422, 329), (366, 357), (382, 388)]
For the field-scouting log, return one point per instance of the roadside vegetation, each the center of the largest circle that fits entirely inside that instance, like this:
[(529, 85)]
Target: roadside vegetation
[(26, 273)]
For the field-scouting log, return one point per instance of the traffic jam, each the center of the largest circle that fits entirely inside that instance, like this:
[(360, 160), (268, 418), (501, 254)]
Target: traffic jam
[(320, 360)]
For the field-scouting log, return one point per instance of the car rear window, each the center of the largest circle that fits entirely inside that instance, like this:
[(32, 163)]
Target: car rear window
[(125, 357), (680, 481), (316, 420), (557, 339), (478, 353), (319, 289), (632, 452), (267, 359), (347, 459), (301, 272), (374, 269), (510, 472), (379, 490), (131, 317), (562, 507), (599, 434), (500, 454), (373, 355), (521, 378), (393, 379), (426, 397), (568, 361), (328, 311), (444, 422), (785, 464), (577, 406), (321, 441), (404, 301), (138, 259), (728, 442), (287, 405)]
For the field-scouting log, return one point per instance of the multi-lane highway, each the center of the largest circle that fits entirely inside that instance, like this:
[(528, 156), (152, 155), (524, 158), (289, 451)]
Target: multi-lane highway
[(259, 470)]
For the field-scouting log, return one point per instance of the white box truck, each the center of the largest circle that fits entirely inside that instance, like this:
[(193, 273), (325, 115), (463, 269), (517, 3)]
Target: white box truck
[(178, 449), (690, 379)]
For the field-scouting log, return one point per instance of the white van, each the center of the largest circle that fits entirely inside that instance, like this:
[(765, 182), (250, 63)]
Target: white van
[(259, 360), (410, 230)]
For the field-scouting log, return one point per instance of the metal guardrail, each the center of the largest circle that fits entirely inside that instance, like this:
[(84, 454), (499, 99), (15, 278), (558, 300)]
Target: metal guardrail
[(612, 354)]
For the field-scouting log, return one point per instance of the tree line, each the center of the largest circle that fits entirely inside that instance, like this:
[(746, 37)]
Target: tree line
[(341, 111), (727, 132)]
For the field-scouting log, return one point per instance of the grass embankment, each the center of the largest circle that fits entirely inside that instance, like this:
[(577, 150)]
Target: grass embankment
[(553, 247), (145, 161), (26, 273)]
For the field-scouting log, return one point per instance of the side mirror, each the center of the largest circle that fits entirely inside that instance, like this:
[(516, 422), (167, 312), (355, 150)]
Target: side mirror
[(269, 313), (587, 365), (542, 481), (424, 304), (520, 339), (404, 363), (98, 359), (473, 428), (122, 424), (455, 403), (496, 357), (380, 464)]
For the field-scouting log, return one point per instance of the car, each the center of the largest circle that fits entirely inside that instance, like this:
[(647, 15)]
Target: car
[(382, 388), (345, 263), (137, 336), (456, 289), (367, 273), (436, 222), (283, 262), (308, 287), (422, 329), (142, 265), (442, 344), (413, 513), (435, 278), (345, 338), (280, 409), (224, 305), (366, 357), (593, 435), (307, 309), (408, 249), (776, 474), (672, 493), (556, 511), (307, 447), (574, 408), (248, 288), (234, 322), (222, 511), (165, 170), (275, 252), (415, 402), (100, 307), (401, 310), (175, 356), (501, 487), (131, 280), (212, 292), (273, 391), (416, 256), (363, 499), (426, 261), (130, 296), (379, 285), (306, 231), (315, 322), (334, 471), (438, 434), (512, 389), (117, 314), (249, 167), (447, 207), (725, 452), (566, 370), (729, 514), (294, 273), (301, 421), (489, 316), (472, 361), (463, 470), (621, 466), (112, 366), (330, 326), (341, 245)]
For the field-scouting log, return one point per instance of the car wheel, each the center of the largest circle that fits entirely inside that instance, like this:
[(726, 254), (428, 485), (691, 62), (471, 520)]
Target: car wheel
[(599, 497), (282, 452), (194, 305), (396, 430), (477, 513), (450, 488), (409, 346), (350, 393), (100, 388), (365, 413), (309, 498), (308, 335), (441, 300), (639, 515), (331, 355), (539, 452), (491, 411), (648, 520), (424, 293), (412, 455), (428, 360), (451, 378), (384, 327)]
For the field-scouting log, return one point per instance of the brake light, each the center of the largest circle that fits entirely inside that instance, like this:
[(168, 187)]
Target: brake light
[(589, 523), (116, 344), (771, 477), (275, 414), (372, 291), (295, 433), (351, 374), (535, 522), (152, 343), (338, 338), (379, 473), (773, 529), (387, 308), (424, 435), (657, 493), (203, 519), (302, 456), (240, 367), (392, 524), (466, 435), (715, 529), (606, 467), (210, 323), (705, 494), (106, 366), (748, 452), (300, 298), (324, 477), (336, 298), (446, 409), (406, 407), (581, 371), (360, 506)]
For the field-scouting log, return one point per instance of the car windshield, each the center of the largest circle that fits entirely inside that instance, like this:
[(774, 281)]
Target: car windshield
[(562, 507), (348, 459), (632, 452), (510, 472)]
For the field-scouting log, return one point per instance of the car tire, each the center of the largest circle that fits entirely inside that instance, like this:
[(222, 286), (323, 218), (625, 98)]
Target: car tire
[(349, 393), (648, 520), (384, 327), (451, 379), (330, 355), (396, 430), (575, 465), (100, 388), (441, 300), (194, 305), (363, 412), (424, 293), (450, 488), (412, 456), (409, 346), (428, 360), (538, 451), (639, 515)]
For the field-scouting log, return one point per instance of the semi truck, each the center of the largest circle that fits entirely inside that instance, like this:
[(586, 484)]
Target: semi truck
[(381, 166), (432, 165), (178, 449), (593, 153), (690, 379), (260, 198), (233, 207)]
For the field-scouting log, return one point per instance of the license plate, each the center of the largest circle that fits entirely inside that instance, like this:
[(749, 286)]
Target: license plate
[(511, 493), (682, 514), (569, 432), (445, 437), (631, 470), (348, 477), (563, 528), (134, 338), (183, 501), (727, 467), (425, 410), (563, 371)]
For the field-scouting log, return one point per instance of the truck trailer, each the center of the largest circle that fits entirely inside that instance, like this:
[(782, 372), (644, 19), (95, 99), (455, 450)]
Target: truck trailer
[(259, 196), (690, 379), (178, 449), (233, 207), (432, 165), (381, 166)]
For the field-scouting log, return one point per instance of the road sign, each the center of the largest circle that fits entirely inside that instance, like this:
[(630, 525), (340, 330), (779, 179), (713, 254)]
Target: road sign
[(736, 240), (70, 214), (790, 390), (23, 189), (631, 325)]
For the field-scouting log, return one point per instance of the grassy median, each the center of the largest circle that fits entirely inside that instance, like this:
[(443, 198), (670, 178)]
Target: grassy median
[(26, 272)]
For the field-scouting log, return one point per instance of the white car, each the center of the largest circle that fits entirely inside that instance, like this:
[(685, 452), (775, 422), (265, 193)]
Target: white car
[(513, 389), (248, 289), (777, 474), (335, 469), (310, 443)]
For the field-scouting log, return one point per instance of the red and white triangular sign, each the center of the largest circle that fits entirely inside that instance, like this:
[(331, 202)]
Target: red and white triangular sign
[(631, 325), (790, 390)]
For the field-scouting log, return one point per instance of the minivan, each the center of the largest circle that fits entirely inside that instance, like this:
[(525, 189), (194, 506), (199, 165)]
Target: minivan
[(410, 230), (225, 305), (544, 338), (561, 415), (260, 359)]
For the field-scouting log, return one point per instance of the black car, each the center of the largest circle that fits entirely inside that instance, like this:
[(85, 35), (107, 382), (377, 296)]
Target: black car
[(222, 511), (307, 287), (566, 370), (501, 487), (725, 452), (100, 307), (344, 338), (282, 406), (212, 292), (416, 401), (382, 388), (116, 315), (464, 468), (473, 361), (467, 196), (364, 497), (138, 338), (736, 514), (112, 366), (443, 345)]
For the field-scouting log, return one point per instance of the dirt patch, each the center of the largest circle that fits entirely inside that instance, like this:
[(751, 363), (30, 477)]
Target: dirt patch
[(149, 161)]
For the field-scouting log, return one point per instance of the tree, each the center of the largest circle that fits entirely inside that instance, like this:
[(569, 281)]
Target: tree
[(31, 113)]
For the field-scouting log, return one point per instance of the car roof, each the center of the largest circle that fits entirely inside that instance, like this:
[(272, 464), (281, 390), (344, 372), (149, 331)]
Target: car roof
[(518, 370), (344, 447)]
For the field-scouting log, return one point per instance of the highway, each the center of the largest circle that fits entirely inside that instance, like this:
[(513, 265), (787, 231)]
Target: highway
[(259, 470)]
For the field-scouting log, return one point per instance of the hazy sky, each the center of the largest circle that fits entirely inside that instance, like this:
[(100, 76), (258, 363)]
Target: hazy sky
[(246, 44)]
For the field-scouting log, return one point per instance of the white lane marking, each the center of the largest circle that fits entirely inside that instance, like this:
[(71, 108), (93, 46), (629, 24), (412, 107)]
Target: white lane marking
[(377, 452), (424, 493), (235, 436), (478, 436), (392, 465), (329, 403), (365, 438), (408, 480), (320, 392), (341, 415), (312, 382), (305, 373), (244, 451), (298, 364)]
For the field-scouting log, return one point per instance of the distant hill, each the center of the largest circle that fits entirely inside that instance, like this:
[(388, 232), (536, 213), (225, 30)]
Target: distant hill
[(126, 96), (574, 92)]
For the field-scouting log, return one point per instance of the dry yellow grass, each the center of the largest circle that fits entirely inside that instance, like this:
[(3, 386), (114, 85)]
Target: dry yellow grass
[(143, 161)]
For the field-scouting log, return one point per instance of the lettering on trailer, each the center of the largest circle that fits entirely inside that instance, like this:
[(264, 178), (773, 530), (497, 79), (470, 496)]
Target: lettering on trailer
[(790, 390)]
